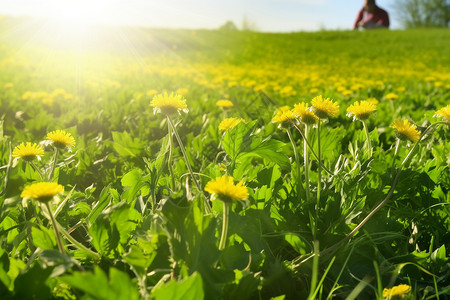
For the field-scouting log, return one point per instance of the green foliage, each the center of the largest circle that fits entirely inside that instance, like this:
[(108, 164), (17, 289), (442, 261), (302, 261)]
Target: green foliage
[(132, 217)]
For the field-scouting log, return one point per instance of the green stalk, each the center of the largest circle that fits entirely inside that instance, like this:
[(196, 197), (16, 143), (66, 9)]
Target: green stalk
[(306, 161), (169, 164), (397, 146), (52, 167), (315, 271), (319, 171), (37, 169), (311, 148), (226, 214), (76, 243), (297, 161), (368, 138), (188, 165), (55, 228)]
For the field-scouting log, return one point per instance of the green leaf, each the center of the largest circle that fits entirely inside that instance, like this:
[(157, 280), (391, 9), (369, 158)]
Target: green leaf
[(32, 284), (269, 149), (237, 139), (190, 288), (125, 145), (96, 284), (43, 237)]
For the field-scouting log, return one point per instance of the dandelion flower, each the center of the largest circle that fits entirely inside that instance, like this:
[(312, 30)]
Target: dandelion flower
[(224, 103), (225, 190), (28, 151), (229, 123), (391, 96), (372, 100), (168, 104), (284, 114), (302, 111), (361, 110), (9, 85), (42, 191), (444, 112), (406, 131), (397, 292), (61, 139), (324, 108)]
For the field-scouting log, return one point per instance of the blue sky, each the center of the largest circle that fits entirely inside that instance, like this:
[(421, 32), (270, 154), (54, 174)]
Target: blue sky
[(266, 15)]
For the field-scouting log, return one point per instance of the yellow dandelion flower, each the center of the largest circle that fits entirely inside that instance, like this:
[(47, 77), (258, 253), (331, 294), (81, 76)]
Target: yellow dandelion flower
[(391, 96), (406, 131), (284, 114), (314, 90), (224, 189), (323, 108), (28, 151), (151, 93), (168, 104), (42, 191), (9, 85), (397, 291), (361, 110), (444, 112), (229, 123), (61, 139), (224, 103), (401, 89), (372, 100), (182, 91), (302, 111)]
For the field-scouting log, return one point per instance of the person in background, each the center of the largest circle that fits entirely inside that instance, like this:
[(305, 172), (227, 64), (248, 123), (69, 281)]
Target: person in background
[(371, 16)]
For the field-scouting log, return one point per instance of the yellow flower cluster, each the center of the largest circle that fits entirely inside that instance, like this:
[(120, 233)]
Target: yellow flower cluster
[(396, 292), (225, 189), (42, 191)]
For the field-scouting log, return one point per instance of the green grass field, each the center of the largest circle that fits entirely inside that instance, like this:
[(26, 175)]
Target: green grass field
[(349, 206)]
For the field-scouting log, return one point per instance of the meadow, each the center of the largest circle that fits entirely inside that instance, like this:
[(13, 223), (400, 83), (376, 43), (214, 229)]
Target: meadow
[(144, 163)]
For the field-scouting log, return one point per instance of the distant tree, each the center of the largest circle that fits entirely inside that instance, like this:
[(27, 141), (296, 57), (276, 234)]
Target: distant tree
[(423, 13), (229, 25), (248, 25)]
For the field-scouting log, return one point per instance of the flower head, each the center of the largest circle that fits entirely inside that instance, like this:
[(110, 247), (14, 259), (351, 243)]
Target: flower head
[(229, 123), (224, 103), (28, 151), (284, 114), (361, 110), (444, 112), (168, 104), (391, 96), (397, 292), (406, 131), (224, 188), (324, 108), (61, 139), (42, 191), (302, 111)]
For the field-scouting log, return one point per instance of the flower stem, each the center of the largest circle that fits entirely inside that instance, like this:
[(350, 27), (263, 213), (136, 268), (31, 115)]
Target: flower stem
[(226, 214), (368, 138), (297, 161), (37, 169), (76, 243), (310, 147), (306, 161), (208, 209), (55, 228), (319, 179), (319, 171), (397, 146), (169, 164), (52, 167)]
